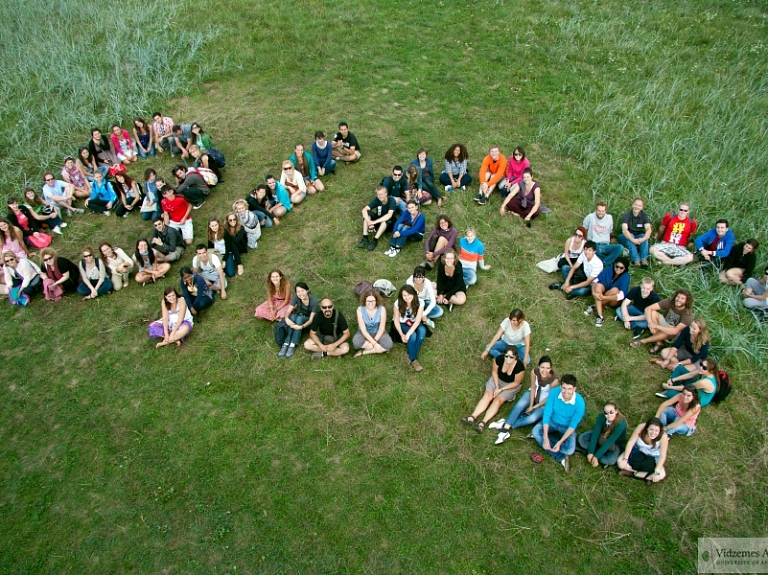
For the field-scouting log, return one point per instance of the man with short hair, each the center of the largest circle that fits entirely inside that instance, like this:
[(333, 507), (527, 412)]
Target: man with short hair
[(492, 171), (610, 288), (378, 216), (329, 333), (191, 185), (636, 233), (176, 211), (345, 145), (715, 245), (208, 266), (562, 414), (166, 241), (162, 128), (675, 233), (667, 318), (599, 226), (632, 310), (397, 187), (578, 279), (181, 140), (59, 193)]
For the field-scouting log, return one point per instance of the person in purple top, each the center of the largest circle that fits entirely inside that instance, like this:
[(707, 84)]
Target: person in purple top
[(440, 240), (610, 289)]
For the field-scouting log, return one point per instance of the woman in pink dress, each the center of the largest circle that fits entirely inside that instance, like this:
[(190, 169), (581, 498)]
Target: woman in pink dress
[(278, 297), (12, 239)]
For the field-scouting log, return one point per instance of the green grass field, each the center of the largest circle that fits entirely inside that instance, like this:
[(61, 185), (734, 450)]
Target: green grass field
[(218, 457)]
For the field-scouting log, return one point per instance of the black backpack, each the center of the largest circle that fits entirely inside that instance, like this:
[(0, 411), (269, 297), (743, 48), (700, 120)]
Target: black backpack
[(217, 157), (724, 389)]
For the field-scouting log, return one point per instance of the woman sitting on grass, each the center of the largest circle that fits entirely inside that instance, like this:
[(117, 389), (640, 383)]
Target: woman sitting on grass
[(415, 190), (149, 269), (305, 166), (22, 278), (293, 182), (250, 223), (410, 227), (440, 240), (427, 174), (529, 409), (449, 287), (177, 321), (143, 136), (93, 276), (606, 441), (12, 239), (60, 275), (74, 174), (524, 198), (233, 228), (573, 248), (103, 197), (123, 145), (119, 264), (471, 256), (278, 292), (200, 138), (514, 330), (204, 160), (426, 293), (740, 264), (407, 325), (43, 212), (705, 379), (455, 175), (371, 336), (503, 385), (21, 217), (690, 347), (150, 206), (679, 414), (128, 195), (646, 452), (221, 241), (299, 316)]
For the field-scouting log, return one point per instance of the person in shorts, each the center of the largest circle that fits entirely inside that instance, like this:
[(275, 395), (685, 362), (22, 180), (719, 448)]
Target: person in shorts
[(675, 234), (176, 211)]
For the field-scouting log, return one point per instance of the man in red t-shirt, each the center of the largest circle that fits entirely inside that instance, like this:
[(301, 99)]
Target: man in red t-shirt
[(176, 212), (675, 233)]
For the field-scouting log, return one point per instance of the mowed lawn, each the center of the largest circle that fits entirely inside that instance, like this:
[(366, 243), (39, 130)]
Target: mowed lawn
[(218, 457)]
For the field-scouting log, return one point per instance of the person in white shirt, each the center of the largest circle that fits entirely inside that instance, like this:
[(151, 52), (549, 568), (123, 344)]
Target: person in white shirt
[(579, 278), (60, 193), (208, 265)]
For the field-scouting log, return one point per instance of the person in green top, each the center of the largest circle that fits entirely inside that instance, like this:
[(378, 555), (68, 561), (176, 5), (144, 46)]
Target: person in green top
[(605, 442), (200, 138)]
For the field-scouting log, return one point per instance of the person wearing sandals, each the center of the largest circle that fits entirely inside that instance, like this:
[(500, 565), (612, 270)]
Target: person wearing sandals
[(506, 379), (667, 319), (177, 321), (679, 413), (529, 409), (93, 276), (299, 316), (562, 414), (371, 336), (149, 268), (646, 452), (449, 287), (606, 441), (407, 325), (514, 330)]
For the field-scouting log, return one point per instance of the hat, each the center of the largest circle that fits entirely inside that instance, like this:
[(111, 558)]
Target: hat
[(385, 287)]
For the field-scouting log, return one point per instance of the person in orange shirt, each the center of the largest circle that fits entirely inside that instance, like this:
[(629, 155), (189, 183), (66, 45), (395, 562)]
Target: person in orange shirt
[(492, 171)]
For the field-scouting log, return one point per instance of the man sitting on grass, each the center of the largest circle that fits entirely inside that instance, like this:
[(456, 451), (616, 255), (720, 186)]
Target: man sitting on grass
[(208, 265), (599, 226), (166, 241), (329, 333), (632, 310), (675, 233), (377, 217), (562, 414), (610, 289), (492, 171), (636, 233), (397, 187), (579, 278), (345, 145), (667, 319), (715, 245)]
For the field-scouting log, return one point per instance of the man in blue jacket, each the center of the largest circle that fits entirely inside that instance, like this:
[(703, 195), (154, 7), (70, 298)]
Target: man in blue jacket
[(716, 244), (562, 414), (610, 289)]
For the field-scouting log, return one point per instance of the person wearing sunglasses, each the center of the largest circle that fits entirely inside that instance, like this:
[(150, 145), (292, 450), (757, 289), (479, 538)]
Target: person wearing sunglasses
[(608, 437), (293, 182), (574, 245), (329, 333), (59, 275), (93, 275), (675, 235), (59, 193), (22, 278), (610, 289)]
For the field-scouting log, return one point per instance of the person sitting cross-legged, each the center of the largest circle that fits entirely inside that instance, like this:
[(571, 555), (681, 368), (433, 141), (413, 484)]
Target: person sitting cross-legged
[(599, 226), (675, 234), (329, 333), (579, 278), (667, 319), (636, 233), (346, 148), (645, 453), (492, 171), (606, 441), (378, 216), (740, 264), (409, 227), (372, 336), (632, 309), (610, 289)]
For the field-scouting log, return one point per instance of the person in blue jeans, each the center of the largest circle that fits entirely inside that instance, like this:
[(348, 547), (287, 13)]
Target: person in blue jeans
[(679, 414), (410, 227), (562, 414), (636, 233), (322, 155), (599, 226), (407, 326), (579, 278), (299, 316), (632, 310), (606, 441), (195, 291), (529, 409)]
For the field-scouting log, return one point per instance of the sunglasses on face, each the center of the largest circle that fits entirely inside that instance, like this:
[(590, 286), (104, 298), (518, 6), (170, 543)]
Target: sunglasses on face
[(609, 412), (509, 356), (87, 255), (326, 307), (47, 259)]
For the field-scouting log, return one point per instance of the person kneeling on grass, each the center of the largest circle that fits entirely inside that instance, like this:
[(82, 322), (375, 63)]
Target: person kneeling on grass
[(562, 414), (506, 379), (329, 333), (378, 217), (529, 409), (646, 452), (371, 336), (579, 278), (667, 319), (606, 441), (632, 310), (610, 289), (409, 227), (176, 322)]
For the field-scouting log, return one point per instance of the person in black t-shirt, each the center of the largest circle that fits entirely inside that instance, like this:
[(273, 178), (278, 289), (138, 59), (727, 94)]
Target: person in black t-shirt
[(345, 145), (329, 333), (378, 217), (632, 310)]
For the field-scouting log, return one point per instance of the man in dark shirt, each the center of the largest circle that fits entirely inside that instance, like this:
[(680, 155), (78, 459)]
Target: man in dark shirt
[(636, 233), (166, 241), (632, 310), (345, 145), (329, 333), (378, 216), (397, 186)]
